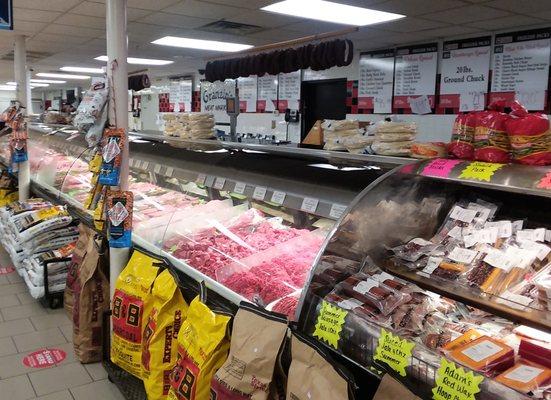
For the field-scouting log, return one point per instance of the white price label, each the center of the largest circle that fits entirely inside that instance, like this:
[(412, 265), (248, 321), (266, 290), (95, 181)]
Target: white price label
[(364, 287), (463, 214), (488, 235), (499, 259), (169, 172), (309, 204), (201, 179), (157, 168), (219, 183), (337, 210), (524, 373), (278, 197), (432, 264), (350, 304), (455, 232), (239, 187), (259, 193), (209, 181), (145, 165), (419, 105), (504, 228), (482, 350), (534, 235), (461, 255)]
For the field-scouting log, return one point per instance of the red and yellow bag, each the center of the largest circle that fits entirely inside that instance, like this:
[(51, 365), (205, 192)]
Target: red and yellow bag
[(491, 143), (461, 145)]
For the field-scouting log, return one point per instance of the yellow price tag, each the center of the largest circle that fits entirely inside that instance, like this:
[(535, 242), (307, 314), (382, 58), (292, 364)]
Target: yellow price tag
[(48, 213), (394, 352), (95, 163), (454, 383), (329, 324), (480, 171)]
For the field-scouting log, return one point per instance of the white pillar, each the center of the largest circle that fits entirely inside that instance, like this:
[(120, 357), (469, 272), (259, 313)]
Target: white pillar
[(117, 73), (29, 104), (20, 69)]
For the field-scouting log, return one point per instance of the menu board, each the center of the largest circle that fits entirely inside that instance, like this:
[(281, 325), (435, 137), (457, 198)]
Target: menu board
[(376, 79), (247, 93), (213, 97), (180, 95), (415, 74), (521, 67), (465, 72), (267, 92), (289, 91)]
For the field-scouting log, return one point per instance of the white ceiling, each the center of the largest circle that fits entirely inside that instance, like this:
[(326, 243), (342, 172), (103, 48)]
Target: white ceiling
[(72, 32)]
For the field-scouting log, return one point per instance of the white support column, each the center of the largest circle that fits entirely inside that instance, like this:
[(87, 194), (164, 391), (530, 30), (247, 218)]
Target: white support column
[(117, 73), (20, 69), (29, 104)]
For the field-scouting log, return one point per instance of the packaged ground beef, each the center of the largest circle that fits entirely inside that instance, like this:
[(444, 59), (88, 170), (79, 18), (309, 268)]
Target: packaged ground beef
[(462, 142), (131, 292), (491, 143), (249, 369), (91, 300), (164, 314), (530, 136)]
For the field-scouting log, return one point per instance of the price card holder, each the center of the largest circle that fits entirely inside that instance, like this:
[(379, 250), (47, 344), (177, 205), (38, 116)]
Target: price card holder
[(157, 168), (278, 197), (239, 187), (201, 178), (169, 172), (259, 193), (209, 181), (309, 204), (337, 210), (219, 183)]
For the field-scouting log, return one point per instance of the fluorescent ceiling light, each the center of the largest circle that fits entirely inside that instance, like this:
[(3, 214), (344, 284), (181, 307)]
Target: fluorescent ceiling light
[(62, 76), (46, 81), (7, 87), (201, 44), (139, 61), (32, 84), (86, 70), (331, 12)]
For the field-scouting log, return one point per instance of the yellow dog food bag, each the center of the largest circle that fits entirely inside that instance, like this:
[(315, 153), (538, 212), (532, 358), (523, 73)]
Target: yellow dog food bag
[(131, 292), (203, 345), (165, 312)]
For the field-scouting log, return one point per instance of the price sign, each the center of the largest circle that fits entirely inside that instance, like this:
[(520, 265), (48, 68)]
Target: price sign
[(169, 172), (309, 204), (375, 81), (239, 187), (394, 352), (209, 181), (219, 183), (329, 324), (454, 383), (480, 171), (259, 193), (278, 197), (201, 179), (545, 182), (440, 167), (157, 168), (336, 210)]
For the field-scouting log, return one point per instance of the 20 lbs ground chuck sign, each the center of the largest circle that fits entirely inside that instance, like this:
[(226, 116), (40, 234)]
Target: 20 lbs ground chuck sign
[(44, 358)]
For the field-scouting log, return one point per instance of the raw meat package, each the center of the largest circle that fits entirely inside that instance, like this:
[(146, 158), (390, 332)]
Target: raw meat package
[(462, 141), (164, 314), (90, 301), (491, 143), (85, 240), (486, 355), (203, 345), (131, 292), (314, 375), (391, 389), (249, 369), (529, 135), (525, 376)]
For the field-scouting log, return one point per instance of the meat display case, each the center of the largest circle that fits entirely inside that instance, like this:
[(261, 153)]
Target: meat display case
[(219, 213), (363, 249)]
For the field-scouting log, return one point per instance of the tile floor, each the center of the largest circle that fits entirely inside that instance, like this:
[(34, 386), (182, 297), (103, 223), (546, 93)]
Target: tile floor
[(26, 326)]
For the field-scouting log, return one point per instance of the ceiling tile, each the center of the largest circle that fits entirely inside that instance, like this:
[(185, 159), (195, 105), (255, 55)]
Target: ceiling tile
[(182, 21), (26, 26), (417, 7), (98, 10), (70, 39), (456, 30), (521, 6), (265, 19), (410, 25), (45, 46), (251, 4), (466, 14), (511, 22), (366, 33), (47, 5), (203, 9), (81, 21), (310, 27), (25, 14), (151, 5), (73, 30), (542, 14), (275, 35)]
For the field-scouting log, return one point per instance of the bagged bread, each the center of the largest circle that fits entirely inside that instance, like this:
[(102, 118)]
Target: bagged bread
[(491, 143), (313, 376), (462, 141), (131, 291), (256, 340), (165, 311), (203, 345), (91, 300), (391, 389)]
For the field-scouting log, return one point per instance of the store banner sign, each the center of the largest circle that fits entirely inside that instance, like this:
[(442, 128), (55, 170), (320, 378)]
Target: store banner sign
[(289, 91), (415, 74), (6, 15), (248, 91), (213, 97), (521, 67), (375, 81), (465, 73), (267, 93)]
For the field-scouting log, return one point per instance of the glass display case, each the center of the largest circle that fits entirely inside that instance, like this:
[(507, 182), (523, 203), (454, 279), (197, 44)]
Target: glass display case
[(445, 258)]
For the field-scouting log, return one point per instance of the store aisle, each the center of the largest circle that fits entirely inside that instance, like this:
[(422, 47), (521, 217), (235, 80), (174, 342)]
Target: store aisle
[(27, 327)]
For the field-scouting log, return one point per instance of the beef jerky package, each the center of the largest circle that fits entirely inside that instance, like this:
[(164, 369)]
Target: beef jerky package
[(249, 369), (391, 389), (91, 300), (84, 241), (313, 375)]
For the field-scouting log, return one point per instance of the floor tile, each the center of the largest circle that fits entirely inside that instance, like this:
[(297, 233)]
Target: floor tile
[(12, 365), (50, 321), (17, 388), (16, 327), (59, 378), (22, 311), (15, 288), (26, 298), (104, 390), (14, 278), (69, 351), (4, 280), (64, 395), (96, 371), (67, 331), (7, 346), (40, 339), (9, 300)]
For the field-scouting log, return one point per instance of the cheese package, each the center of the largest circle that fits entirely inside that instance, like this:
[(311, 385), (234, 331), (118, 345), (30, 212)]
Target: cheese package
[(536, 351), (462, 340), (131, 291), (485, 355), (525, 376)]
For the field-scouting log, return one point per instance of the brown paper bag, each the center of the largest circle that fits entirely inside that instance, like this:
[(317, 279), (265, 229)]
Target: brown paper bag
[(83, 243), (311, 376), (91, 300), (255, 343), (391, 389)]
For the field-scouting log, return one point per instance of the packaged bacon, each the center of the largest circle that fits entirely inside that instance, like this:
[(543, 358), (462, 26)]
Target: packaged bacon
[(491, 143), (529, 135), (462, 141)]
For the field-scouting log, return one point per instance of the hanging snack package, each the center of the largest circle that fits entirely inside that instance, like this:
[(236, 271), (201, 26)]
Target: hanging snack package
[(112, 145), (131, 291), (249, 369), (91, 301), (462, 142), (203, 346), (530, 136), (91, 106), (85, 238), (313, 375), (119, 207), (165, 311), (491, 143)]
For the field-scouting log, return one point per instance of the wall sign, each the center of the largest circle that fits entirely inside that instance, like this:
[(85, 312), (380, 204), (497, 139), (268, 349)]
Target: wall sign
[(6, 15), (465, 69), (375, 81), (415, 73), (213, 97), (247, 93), (267, 92), (521, 67), (289, 91), (180, 95)]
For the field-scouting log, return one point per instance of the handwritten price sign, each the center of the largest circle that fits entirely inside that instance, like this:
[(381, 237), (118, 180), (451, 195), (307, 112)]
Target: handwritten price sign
[(329, 324)]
